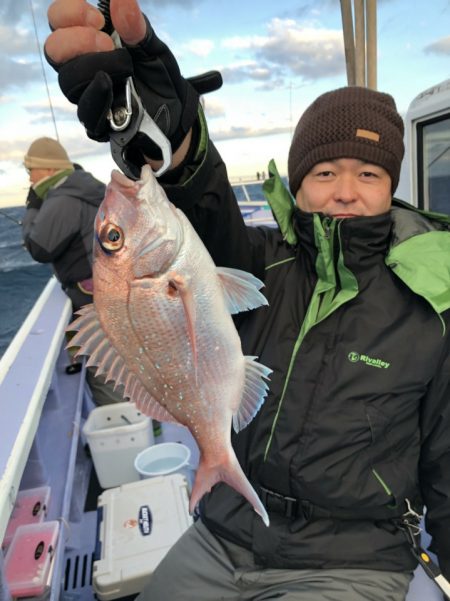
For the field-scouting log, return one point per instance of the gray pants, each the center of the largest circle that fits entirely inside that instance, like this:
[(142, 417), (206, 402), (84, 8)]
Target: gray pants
[(103, 393), (202, 567)]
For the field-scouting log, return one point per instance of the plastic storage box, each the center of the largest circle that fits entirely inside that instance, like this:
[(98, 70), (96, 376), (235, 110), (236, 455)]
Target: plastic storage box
[(30, 508), (138, 523), (116, 433), (29, 559)]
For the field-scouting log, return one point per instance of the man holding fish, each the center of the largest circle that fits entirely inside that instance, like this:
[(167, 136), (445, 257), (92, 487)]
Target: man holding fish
[(352, 439)]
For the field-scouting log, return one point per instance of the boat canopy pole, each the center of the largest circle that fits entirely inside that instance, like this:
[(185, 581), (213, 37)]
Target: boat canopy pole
[(349, 41), (371, 36), (360, 46)]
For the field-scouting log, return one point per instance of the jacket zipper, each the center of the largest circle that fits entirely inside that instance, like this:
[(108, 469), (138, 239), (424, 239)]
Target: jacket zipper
[(317, 300)]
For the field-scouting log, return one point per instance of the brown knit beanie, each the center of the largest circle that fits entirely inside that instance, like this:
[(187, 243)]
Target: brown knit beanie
[(46, 153), (351, 122)]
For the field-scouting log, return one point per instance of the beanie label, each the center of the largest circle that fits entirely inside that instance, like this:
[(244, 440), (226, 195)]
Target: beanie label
[(370, 135)]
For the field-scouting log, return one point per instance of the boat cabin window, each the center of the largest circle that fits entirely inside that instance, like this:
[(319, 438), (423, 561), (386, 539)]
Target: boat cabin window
[(433, 157)]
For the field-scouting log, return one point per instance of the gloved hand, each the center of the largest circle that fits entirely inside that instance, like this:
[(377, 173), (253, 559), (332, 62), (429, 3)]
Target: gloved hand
[(33, 201), (95, 79)]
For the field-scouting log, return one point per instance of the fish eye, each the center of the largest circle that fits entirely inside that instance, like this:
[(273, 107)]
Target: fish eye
[(111, 237)]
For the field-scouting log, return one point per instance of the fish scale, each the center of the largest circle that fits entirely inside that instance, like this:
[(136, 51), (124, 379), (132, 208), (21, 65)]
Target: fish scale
[(161, 326)]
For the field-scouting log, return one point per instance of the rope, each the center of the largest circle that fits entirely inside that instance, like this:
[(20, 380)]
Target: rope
[(43, 70)]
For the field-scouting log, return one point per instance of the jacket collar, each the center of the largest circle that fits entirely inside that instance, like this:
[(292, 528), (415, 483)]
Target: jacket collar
[(44, 185), (363, 241)]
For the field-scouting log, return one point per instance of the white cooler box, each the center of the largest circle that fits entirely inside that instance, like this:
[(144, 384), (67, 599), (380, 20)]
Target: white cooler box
[(138, 523)]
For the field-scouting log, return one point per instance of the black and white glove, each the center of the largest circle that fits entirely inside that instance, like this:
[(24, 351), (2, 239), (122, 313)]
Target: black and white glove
[(95, 81)]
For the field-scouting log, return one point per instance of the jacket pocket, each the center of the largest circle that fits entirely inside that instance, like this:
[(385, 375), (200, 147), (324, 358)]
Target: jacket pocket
[(394, 459)]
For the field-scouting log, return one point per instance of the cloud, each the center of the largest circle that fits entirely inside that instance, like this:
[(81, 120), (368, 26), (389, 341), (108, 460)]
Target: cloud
[(441, 46), (16, 41), (242, 132), (62, 108), (148, 6), (213, 108), (308, 52), (199, 47), (289, 49), (17, 74), (13, 12), (245, 71), (78, 147), (44, 115), (13, 150), (19, 58)]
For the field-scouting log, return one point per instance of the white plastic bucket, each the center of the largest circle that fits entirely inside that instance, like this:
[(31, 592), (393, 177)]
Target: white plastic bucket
[(163, 459), (116, 433)]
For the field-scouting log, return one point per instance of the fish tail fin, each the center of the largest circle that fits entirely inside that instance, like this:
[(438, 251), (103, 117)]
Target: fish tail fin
[(232, 474)]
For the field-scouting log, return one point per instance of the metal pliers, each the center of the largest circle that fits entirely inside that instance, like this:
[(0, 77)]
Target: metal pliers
[(126, 121)]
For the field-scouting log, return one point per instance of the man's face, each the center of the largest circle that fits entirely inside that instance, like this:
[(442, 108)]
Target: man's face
[(36, 174), (345, 188)]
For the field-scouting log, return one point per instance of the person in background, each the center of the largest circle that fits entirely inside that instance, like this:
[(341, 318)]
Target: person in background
[(353, 438), (58, 228)]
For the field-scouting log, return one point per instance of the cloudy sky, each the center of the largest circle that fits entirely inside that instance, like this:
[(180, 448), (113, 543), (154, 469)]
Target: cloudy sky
[(275, 57)]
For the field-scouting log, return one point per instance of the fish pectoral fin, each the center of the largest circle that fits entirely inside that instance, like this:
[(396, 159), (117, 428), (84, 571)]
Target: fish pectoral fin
[(241, 289), (255, 391), (179, 284)]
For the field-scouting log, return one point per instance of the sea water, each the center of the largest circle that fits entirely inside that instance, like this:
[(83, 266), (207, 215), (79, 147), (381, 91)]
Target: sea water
[(21, 278)]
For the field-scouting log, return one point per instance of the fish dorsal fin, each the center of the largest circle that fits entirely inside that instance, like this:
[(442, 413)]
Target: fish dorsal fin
[(241, 289), (255, 391), (92, 341)]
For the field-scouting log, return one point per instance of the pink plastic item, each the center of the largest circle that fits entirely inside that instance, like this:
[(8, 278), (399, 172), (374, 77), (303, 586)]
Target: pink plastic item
[(30, 508), (29, 558)]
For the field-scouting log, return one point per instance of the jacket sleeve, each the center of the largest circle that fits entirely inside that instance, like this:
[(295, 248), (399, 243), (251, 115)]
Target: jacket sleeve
[(435, 459), (208, 201), (48, 231)]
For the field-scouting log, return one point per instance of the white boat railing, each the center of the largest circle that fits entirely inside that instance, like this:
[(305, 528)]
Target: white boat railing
[(26, 371)]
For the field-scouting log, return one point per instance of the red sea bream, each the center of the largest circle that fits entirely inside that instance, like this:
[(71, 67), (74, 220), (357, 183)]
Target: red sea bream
[(161, 326)]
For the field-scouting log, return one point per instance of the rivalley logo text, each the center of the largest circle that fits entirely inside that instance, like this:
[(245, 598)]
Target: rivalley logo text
[(355, 357)]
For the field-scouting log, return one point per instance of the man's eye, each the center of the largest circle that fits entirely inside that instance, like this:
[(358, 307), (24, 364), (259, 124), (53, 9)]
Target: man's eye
[(369, 174), (325, 173)]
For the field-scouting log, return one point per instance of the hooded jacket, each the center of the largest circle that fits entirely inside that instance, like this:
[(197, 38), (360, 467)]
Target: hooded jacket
[(357, 418), (61, 231)]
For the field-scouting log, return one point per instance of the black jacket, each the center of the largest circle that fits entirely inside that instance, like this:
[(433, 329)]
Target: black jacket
[(357, 419), (61, 232)]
